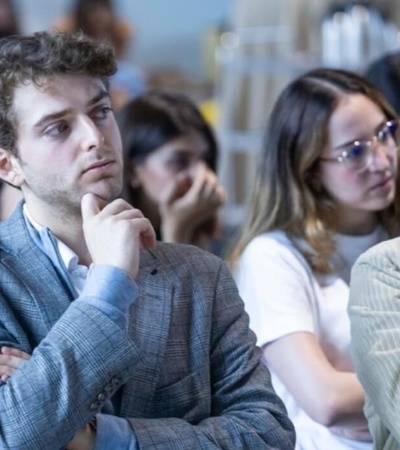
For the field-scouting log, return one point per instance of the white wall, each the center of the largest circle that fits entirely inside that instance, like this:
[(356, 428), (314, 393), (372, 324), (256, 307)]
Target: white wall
[(169, 32)]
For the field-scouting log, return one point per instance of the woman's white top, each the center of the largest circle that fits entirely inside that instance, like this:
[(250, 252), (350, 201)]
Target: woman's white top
[(282, 296)]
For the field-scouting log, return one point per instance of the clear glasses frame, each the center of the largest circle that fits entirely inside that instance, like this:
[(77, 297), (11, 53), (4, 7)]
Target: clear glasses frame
[(358, 155)]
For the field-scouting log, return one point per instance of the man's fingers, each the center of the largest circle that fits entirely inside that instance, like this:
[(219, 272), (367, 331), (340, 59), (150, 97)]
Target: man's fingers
[(6, 372), (90, 206), (14, 352), (147, 233), (12, 362), (119, 206), (4, 378)]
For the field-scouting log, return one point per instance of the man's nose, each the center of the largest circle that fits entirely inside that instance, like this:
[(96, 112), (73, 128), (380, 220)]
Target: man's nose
[(92, 137)]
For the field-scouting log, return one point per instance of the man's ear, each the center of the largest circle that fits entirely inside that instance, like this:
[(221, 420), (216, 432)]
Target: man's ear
[(10, 168)]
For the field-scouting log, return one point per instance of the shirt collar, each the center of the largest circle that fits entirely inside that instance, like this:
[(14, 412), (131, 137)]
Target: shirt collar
[(69, 257)]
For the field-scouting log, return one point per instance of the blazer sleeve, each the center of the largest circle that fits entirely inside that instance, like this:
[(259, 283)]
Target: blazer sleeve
[(246, 412), (75, 369), (374, 310)]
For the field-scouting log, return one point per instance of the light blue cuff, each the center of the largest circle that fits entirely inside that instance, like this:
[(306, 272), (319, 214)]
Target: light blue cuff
[(111, 290), (114, 433)]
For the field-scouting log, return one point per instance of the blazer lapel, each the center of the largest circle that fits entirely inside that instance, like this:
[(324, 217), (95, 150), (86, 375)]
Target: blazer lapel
[(149, 326), (37, 292)]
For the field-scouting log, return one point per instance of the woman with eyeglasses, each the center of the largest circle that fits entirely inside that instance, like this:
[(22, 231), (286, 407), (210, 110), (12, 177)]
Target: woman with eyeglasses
[(324, 193)]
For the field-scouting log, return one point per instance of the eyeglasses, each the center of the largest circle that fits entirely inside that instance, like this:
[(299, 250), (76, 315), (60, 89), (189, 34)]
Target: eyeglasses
[(359, 154)]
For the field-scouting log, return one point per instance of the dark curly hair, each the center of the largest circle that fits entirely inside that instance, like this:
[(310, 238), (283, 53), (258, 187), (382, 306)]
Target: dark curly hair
[(38, 57)]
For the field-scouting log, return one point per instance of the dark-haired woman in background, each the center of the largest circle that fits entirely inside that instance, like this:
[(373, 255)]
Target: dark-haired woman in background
[(170, 159)]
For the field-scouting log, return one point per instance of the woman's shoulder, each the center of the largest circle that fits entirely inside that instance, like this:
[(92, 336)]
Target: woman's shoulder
[(271, 238), (274, 247), (276, 241)]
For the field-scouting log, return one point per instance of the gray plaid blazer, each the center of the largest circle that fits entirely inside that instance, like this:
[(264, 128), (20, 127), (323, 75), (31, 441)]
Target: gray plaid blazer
[(187, 375)]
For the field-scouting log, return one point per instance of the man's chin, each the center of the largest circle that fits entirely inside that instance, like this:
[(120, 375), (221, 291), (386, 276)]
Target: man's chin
[(107, 194)]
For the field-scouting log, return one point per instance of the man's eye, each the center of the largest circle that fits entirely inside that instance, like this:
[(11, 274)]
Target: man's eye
[(102, 113), (56, 129)]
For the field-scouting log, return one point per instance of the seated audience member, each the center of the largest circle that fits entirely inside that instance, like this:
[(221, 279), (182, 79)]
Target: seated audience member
[(375, 332), (9, 26), (324, 193), (170, 162), (97, 18), (108, 340), (384, 73), (9, 20)]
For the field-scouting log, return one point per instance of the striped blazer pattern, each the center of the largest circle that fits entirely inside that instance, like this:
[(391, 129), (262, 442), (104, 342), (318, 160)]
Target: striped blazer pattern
[(186, 376)]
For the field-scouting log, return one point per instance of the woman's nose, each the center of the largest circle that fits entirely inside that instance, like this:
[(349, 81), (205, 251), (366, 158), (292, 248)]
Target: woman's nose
[(381, 157)]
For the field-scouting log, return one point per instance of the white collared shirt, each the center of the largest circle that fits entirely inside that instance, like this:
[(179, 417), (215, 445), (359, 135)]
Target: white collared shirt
[(78, 272)]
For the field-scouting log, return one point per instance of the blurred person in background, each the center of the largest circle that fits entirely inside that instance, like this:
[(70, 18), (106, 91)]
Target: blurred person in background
[(324, 193), (384, 73), (170, 165), (9, 25), (98, 19)]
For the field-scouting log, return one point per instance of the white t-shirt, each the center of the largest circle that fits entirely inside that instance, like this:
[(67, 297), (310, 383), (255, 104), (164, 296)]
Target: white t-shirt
[(282, 296)]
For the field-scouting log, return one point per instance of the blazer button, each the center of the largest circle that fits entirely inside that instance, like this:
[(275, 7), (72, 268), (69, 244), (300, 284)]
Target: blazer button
[(108, 390), (115, 381), (94, 406), (101, 397)]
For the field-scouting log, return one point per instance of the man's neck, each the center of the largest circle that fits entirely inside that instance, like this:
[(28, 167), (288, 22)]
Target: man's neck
[(69, 231)]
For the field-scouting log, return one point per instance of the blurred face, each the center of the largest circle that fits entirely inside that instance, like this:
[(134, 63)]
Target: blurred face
[(99, 20), (8, 24), (68, 144), (5, 14), (178, 158), (359, 194)]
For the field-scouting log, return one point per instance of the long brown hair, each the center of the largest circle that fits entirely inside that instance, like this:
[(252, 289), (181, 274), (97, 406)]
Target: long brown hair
[(287, 195)]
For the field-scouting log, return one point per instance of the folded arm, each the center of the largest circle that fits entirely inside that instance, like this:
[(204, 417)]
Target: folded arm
[(83, 355), (309, 376)]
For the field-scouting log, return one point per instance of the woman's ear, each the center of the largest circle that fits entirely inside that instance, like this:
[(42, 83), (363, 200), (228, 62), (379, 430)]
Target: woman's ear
[(10, 168)]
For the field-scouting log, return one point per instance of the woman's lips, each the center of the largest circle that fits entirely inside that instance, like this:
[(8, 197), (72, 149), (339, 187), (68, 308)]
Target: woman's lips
[(385, 184)]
